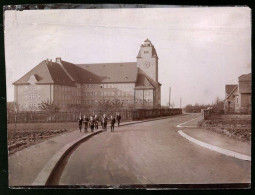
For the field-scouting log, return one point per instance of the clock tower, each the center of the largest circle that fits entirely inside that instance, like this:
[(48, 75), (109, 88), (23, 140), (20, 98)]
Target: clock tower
[(147, 60)]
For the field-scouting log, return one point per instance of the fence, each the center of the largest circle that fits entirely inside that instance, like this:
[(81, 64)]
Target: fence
[(137, 114), (206, 113)]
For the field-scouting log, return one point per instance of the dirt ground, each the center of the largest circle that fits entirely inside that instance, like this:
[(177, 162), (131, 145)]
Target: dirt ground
[(239, 129), (23, 135)]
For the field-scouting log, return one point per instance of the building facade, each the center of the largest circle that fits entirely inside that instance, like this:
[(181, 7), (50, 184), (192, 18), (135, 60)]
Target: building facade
[(134, 84), (238, 97)]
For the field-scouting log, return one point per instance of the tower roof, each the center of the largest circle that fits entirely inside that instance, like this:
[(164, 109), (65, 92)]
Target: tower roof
[(147, 40)]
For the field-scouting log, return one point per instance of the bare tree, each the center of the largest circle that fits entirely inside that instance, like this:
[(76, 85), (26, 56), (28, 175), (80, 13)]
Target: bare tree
[(218, 106), (109, 105), (13, 107), (50, 107)]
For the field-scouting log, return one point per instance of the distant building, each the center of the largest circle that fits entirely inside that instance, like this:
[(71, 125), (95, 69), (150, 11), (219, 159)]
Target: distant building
[(133, 83), (238, 97)]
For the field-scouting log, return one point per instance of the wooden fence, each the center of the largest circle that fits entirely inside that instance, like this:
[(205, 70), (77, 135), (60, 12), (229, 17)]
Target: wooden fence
[(126, 115)]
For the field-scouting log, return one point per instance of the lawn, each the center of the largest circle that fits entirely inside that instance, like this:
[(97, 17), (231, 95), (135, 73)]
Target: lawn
[(239, 129)]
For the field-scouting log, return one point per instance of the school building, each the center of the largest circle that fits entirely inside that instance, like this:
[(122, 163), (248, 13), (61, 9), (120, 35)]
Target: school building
[(133, 83)]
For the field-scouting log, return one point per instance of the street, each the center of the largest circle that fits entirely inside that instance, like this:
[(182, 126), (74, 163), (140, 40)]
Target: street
[(150, 153)]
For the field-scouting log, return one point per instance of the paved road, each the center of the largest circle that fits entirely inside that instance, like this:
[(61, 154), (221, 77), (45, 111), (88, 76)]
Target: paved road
[(150, 153)]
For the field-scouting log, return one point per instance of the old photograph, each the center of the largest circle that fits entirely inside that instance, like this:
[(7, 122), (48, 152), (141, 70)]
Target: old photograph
[(152, 97)]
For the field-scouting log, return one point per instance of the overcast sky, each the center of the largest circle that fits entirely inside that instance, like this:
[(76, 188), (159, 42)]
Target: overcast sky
[(199, 49)]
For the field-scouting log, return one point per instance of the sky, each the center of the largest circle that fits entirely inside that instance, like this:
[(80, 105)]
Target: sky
[(200, 49)]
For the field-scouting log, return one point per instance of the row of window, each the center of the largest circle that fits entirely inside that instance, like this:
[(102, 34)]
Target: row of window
[(33, 87), (30, 105), (108, 93), (96, 101), (33, 96), (110, 85), (144, 92), (140, 100)]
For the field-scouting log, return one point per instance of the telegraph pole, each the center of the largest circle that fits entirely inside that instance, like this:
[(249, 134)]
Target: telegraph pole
[(180, 102), (169, 97)]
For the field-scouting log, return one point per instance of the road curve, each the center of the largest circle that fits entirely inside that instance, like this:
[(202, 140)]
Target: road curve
[(150, 153)]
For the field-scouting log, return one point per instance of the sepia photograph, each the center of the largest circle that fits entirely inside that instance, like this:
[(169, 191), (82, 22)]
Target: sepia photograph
[(138, 97)]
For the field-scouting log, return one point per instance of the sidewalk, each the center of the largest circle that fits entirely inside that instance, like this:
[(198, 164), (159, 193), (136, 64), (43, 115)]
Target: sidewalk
[(218, 140), (25, 165), (191, 129)]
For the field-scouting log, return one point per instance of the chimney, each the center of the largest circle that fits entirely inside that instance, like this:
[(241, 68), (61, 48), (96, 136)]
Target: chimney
[(58, 60)]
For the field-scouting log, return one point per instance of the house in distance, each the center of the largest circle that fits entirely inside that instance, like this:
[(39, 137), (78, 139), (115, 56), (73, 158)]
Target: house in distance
[(238, 97), (65, 83)]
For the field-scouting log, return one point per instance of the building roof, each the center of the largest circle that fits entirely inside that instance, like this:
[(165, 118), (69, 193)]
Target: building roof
[(66, 73), (245, 77), (46, 72), (147, 40), (144, 81), (109, 72), (229, 88), (234, 89)]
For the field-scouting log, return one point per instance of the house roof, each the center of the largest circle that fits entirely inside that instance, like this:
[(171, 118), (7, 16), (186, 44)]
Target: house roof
[(46, 72), (229, 89), (109, 72), (232, 92), (245, 77)]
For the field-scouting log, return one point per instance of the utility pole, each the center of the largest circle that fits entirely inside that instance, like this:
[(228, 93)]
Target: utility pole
[(180, 102), (169, 97)]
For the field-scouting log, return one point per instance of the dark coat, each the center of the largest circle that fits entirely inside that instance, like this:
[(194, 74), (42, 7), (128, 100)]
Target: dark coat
[(118, 117), (104, 120), (86, 120), (80, 121), (112, 121), (91, 122)]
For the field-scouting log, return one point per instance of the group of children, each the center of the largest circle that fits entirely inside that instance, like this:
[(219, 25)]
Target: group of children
[(92, 122)]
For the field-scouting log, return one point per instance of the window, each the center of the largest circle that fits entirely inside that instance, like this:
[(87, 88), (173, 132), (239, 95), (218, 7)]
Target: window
[(32, 96), (146, 51)]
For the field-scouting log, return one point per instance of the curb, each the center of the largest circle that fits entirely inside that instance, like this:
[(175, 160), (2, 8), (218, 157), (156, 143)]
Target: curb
[(45, 175), (180, 125), (215, 148)]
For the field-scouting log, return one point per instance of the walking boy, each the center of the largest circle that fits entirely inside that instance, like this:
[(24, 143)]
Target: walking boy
[(91, 124), (112, 123), (118, 118), (86, 123), (96, 122), (80, 122), (104, 122)]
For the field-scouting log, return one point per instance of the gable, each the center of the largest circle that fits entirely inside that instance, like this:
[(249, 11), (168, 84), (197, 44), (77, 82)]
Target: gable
[(46, 72), (32, 80), (41, 72)]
